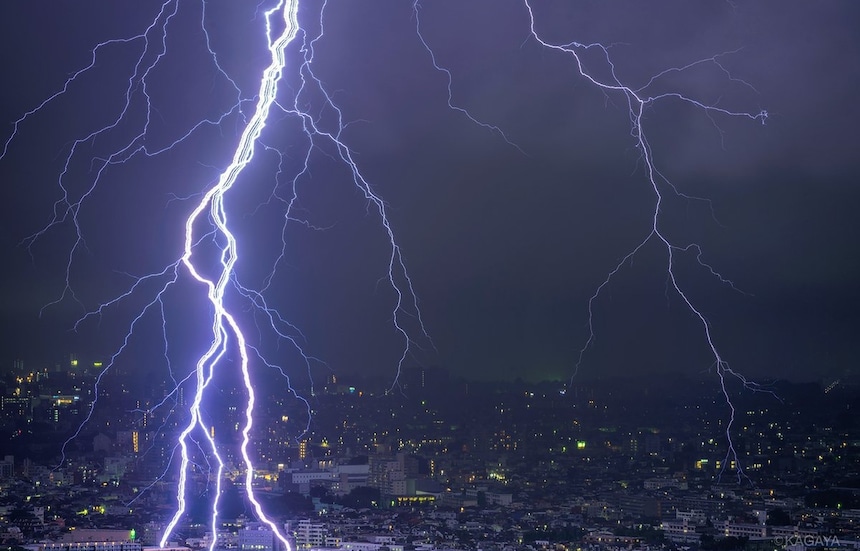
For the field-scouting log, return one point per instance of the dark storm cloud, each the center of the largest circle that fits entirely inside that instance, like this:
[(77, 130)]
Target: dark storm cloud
[(501, 230), (505, 246)]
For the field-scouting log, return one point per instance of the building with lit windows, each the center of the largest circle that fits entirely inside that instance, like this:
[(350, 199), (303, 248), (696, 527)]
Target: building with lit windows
[(310, 534), (93, 540), (257, 537), (91, 546)]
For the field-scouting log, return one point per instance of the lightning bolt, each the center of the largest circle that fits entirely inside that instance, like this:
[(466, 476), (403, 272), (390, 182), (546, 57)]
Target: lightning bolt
[(207, 228), (637, 100), (211, 249), (224, 325)]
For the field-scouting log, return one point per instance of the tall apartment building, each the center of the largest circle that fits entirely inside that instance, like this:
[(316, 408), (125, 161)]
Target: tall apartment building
[(309, 534)]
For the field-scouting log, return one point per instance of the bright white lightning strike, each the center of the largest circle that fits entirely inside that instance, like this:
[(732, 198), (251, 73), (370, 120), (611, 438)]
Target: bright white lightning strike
[(210, 214), (224, 326), (282, 29)]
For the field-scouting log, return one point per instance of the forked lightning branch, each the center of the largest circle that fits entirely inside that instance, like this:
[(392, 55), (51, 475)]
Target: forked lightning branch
[(290, 51)]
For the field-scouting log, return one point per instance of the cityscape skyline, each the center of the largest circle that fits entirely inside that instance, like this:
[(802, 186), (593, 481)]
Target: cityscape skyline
[(607, 464)]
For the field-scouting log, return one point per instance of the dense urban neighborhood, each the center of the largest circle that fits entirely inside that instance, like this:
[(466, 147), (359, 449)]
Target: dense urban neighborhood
[(436, 462)]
